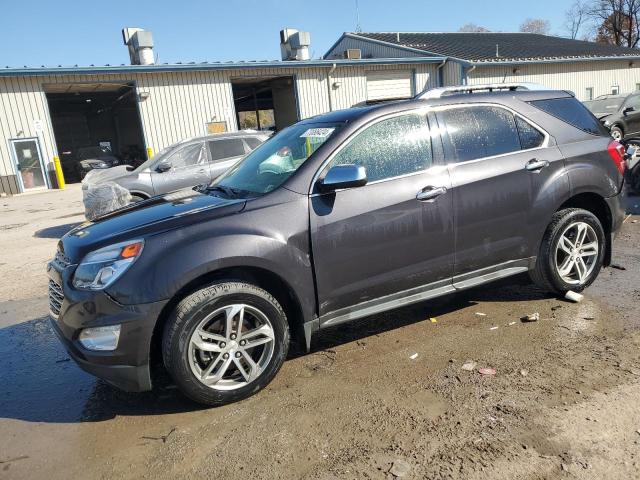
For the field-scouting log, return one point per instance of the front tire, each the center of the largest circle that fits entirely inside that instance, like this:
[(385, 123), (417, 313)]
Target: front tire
[(571, 253), (225, 342), (617, 133)]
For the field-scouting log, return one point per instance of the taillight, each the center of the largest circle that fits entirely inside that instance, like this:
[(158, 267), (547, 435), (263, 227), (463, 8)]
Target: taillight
[(616, 152)]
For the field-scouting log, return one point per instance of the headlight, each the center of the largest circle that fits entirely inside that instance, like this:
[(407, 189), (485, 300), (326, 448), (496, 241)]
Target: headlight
[(101, 165), (101, 268)]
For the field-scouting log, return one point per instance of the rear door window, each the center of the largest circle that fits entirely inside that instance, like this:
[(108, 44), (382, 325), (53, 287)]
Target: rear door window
[(571, 111), (390, 148), (479, 131), (225, 148)]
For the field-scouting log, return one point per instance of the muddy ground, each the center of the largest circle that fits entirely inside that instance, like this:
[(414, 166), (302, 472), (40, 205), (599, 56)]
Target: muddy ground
[(564, 402)]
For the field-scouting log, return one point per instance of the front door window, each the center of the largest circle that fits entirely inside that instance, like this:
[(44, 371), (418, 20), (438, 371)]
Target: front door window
[(29, 163)]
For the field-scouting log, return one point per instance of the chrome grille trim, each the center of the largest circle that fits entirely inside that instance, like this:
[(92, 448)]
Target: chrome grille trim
[(56, 297)]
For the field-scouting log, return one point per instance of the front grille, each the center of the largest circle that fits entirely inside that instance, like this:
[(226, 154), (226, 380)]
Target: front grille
[(56, 297)]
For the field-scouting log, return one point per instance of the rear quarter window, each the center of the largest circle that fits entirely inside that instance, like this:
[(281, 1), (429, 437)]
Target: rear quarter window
[(573, 112)]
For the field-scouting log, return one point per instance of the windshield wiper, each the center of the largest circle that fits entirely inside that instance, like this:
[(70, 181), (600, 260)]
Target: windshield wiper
[(228, 191)]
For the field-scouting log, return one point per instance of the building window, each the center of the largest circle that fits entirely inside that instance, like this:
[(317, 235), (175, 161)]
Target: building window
[(589, 93), (637, 86), (615, 90)]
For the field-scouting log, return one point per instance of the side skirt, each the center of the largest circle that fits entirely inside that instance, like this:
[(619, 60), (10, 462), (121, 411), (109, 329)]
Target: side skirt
[(424, 292)]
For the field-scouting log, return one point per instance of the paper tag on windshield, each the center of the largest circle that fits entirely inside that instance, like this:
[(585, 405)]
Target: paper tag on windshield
[(317, 132)]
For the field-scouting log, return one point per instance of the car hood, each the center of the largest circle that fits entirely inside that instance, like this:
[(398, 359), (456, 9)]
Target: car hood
[(96, 177), (148, 217), (601, 115)]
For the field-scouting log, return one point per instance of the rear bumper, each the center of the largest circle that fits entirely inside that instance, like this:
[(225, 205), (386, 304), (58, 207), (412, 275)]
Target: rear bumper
[(126, 367), (617, 207)]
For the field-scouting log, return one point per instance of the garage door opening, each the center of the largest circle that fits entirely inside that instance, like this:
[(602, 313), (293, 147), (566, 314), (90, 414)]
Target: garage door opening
[(96, 125), (389, 85), (265, 103)]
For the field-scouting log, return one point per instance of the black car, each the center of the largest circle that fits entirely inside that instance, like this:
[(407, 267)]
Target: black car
[(333, 219), (619, 113)]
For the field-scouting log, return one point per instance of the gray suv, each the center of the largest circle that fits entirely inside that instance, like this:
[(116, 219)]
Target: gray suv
[(336, 218), (188, 163)]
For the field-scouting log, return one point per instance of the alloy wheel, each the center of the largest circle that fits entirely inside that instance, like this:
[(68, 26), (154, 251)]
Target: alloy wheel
[(577, 253), (231, 347)]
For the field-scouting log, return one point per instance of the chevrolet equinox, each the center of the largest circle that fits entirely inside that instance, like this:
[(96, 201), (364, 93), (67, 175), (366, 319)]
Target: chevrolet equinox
[(335, 218)]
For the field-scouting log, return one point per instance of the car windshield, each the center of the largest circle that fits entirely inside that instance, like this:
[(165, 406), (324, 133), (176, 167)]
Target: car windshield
[(273, 162), (604, 105)]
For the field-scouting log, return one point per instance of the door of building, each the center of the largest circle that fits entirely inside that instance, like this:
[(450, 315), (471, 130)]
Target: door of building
[(29, 164)]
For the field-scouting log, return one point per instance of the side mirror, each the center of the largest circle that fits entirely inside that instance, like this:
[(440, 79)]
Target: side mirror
[(163, 166), (628, 110), (343, 176)]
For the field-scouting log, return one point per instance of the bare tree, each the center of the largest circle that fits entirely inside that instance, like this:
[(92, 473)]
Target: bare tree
[(617, 21), (473, 28), (576, 18), (535, 25)]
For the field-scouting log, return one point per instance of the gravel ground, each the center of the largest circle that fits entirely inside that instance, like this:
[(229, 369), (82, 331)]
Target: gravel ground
[(562, 404)]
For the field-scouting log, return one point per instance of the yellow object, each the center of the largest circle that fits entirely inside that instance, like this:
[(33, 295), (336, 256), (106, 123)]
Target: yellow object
[(433, 320), (149, 152), (59, 174)]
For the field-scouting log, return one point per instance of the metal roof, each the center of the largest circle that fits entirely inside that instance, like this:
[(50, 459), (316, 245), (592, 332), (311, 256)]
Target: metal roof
[(204, 66), (498, 47)]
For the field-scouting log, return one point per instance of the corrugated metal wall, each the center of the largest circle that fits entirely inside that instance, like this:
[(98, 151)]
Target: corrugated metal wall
[(179, 104), (370, 50), (574, 76)]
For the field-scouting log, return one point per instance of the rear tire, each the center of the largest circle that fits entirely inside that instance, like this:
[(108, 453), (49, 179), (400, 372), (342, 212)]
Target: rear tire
[(208, 342), (571, 252)]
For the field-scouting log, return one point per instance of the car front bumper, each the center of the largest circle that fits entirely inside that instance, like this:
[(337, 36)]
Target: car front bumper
[(126, 367)]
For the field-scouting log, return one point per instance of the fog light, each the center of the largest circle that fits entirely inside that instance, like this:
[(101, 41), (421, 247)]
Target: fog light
[(100, 338)]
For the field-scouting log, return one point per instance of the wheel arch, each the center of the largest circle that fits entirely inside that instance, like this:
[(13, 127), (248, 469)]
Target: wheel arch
[(596, 204), (273, 283)]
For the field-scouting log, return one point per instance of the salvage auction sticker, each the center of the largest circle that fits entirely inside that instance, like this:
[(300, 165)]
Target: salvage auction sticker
[(317, 133)]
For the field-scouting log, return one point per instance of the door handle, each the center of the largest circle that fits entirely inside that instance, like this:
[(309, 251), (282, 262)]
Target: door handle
[(534, 165), (430, 193)]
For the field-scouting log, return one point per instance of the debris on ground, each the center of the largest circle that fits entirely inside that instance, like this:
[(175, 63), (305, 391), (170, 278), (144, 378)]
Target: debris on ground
[(487, 371), (524, 372), (414, 356), (480, 314), (469, 365), (511, 323), (433, 320), (533, 317), (400, 468), (556, 307), (493, 328), (634, 371), (573, 296), (164, 438), (14, 459), (588, 318), (617, 267)]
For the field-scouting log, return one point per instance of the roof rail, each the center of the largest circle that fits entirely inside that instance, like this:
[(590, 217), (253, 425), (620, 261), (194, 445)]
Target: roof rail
[(489, 87)]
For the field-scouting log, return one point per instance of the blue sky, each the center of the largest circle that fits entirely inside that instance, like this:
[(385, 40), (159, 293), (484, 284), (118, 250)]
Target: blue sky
[(69, 32)]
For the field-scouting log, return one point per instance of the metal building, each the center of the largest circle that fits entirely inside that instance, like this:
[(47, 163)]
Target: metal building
[(155, 106), (587, 69), (138, 109)]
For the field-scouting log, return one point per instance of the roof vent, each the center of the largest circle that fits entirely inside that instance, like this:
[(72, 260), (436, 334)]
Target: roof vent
[(294, 44), (140, 45)]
